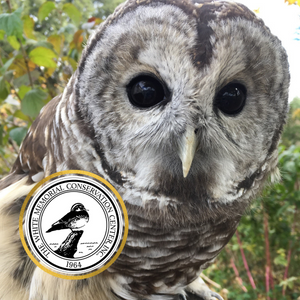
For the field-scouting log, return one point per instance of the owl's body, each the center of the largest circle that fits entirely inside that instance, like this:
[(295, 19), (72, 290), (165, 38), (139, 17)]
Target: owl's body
[(186, 167)]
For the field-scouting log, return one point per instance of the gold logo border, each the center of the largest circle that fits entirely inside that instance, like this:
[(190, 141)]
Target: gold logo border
[(76, 277)]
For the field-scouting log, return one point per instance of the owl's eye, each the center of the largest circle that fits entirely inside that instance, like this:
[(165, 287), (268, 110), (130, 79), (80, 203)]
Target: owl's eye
[(145, 91), (231, 98)]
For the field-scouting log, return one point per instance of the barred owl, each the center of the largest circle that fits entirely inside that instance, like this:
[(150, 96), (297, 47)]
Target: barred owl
[(180, 105)]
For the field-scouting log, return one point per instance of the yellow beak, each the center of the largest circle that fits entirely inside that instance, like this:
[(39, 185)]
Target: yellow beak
[(187, 149)]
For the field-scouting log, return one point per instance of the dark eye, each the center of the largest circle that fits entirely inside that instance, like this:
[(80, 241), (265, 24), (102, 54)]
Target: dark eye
[(145, 91), (231, 98)]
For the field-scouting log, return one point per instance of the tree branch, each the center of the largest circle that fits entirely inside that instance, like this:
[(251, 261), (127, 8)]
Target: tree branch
[(210, 281), (13, 143), (236, 272), (26, 63), (9, 6), (13, 88), (1, 62), (269, 276), (289, 254), (245, 261), (22, 49)]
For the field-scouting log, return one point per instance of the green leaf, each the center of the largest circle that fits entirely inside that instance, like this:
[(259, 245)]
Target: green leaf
[(20, 115), (70, 61), (290, 166), (288, 282), (35, 44), (280, 260), (3, 90), (73, 63), (18, 134), (33, 102), (1, 135), (43, 57), (5, 139), (7, 65), (24, 79), (2, 34), (68, 29), (282, 209), (45, 10), (72, 12), (9, 75), (13, 42), (23, 90), (235, 247), (12, 23)]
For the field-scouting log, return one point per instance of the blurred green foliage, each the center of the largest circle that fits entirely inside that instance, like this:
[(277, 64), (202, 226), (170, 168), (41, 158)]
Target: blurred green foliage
[(291, 135), (40, 44)]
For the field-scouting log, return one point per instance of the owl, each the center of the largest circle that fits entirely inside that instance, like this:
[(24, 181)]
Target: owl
[(179, 104)]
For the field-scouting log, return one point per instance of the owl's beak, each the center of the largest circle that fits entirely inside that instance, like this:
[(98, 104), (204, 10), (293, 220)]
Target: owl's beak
[(187, 149)]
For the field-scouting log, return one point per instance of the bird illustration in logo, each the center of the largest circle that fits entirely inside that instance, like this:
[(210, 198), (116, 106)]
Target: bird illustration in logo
[(75, 219)]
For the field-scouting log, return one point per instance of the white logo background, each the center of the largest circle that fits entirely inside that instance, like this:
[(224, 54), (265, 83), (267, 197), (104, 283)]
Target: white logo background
[(102, 230), (94, 230)]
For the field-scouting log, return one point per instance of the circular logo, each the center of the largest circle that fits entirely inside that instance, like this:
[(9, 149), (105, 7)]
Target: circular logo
[(75, 226)]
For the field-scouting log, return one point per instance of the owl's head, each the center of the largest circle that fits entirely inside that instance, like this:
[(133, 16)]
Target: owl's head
[(186, 98), (77, 207)]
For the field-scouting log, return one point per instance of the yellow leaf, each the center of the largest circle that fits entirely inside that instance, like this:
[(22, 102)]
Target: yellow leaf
[(45, 9), (19, 66), (57, 41), (2, 34), (70, 61), (77, 40), (3, 109), (50, 71), (43, 57), (42, 79), (98, 21), (28, 24), (20, 115), (296, 114), (290, 1), (73, 13), (23, 89), (256, 10), (31, 65), (13, 42), (66, 77)]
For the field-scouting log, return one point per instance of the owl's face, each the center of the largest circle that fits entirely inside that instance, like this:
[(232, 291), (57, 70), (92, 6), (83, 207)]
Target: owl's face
[(186, 100)]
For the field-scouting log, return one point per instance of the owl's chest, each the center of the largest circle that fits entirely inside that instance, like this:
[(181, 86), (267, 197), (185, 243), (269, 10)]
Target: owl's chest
[(157, 256)]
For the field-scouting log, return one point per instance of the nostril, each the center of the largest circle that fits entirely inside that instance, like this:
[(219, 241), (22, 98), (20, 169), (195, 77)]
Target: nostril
[(196, 130)]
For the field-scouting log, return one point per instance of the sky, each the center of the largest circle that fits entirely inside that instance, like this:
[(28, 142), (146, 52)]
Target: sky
[(283, 21)]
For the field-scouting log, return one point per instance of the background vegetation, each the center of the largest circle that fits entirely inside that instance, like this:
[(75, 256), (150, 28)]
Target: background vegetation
[(40, 44)]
